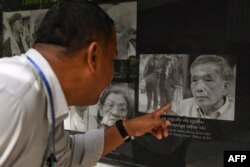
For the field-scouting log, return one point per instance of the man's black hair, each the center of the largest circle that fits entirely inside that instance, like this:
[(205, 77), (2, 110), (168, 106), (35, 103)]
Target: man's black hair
[(73, 24)]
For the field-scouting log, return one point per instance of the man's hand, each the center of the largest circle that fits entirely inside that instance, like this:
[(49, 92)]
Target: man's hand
[(149, 123)]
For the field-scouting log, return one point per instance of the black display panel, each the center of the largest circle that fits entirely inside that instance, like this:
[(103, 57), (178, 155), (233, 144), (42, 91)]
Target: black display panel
[(173, 33)]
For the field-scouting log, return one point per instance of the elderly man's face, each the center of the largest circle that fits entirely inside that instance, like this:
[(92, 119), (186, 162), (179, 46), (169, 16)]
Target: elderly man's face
[(207, 86), (114, 108)]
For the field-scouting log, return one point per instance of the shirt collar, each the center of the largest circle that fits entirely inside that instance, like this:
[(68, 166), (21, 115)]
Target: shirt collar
[(60, 103), (224, 108), (218, 112)]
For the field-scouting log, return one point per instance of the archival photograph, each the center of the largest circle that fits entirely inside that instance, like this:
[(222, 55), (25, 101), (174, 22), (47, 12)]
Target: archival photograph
[(160, 80), (80, 119), (124, 15), (16, 33), (116, 102), (198, 86)]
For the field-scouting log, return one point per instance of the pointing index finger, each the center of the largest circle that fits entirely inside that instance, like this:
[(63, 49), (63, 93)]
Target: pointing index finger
[(163, 109)]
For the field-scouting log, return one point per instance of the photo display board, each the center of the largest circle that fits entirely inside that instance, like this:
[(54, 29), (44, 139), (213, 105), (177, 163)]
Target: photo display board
[(200, 91), (179, 42), (193, 54)]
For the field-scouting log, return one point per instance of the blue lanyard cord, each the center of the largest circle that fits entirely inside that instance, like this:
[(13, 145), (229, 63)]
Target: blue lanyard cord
[(46, 83)]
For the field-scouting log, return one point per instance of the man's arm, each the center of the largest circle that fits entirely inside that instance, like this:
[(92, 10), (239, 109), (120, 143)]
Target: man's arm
[(148, 123)]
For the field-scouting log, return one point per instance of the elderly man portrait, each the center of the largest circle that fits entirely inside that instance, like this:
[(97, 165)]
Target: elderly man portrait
[(211, 77)]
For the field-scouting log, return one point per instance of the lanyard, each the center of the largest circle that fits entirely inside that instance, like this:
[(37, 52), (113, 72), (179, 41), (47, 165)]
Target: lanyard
[(52, 158)]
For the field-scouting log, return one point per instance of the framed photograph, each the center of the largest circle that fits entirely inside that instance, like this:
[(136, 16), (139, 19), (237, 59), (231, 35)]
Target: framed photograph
[(162, 79), (198, 86), (16, 33), (124, 15), (116, 102)]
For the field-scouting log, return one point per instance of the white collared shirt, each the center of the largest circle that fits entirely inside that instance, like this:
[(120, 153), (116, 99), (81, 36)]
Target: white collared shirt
[(189, 108), (25, 118)]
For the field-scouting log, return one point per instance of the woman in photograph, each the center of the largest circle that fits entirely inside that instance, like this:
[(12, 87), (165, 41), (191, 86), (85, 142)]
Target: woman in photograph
[(114, 104)]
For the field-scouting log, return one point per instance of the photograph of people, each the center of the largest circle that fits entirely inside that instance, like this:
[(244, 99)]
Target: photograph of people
[(211, 78), (124, 16), (80, 119), (115, 103), (16, 37), (160, 80), (152, 76)]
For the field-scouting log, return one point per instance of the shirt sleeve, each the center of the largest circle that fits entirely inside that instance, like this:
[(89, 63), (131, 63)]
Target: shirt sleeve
[(13, 132), (89, 147), (80, 149)]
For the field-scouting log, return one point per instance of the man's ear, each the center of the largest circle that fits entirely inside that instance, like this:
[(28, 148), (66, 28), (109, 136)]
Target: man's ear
[(92, 52), (226, 87)]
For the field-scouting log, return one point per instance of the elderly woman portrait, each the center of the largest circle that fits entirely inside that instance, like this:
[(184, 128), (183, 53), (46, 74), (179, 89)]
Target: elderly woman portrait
[(115, 103)]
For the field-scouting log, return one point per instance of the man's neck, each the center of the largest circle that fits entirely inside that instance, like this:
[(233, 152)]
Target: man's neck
[(210, 110)]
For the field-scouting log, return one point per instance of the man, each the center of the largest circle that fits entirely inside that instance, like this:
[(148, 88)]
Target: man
[(15, 44), (70, 64), (210, 84), (152, 75), (167, 80)]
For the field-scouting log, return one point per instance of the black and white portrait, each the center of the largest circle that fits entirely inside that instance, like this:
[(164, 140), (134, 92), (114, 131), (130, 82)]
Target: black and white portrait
[(160, 80), (116, 102), (124, 15), (212, 87), (16, 34), (198, 86), (80, 119)]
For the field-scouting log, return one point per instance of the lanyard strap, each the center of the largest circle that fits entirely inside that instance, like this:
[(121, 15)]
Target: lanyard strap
[(46, 83)]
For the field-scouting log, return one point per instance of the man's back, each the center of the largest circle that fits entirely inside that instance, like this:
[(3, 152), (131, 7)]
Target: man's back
[(24, 132)]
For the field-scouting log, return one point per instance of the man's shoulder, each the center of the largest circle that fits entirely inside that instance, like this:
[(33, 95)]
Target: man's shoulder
[(16, 76), (187, 107), (184, 107)]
